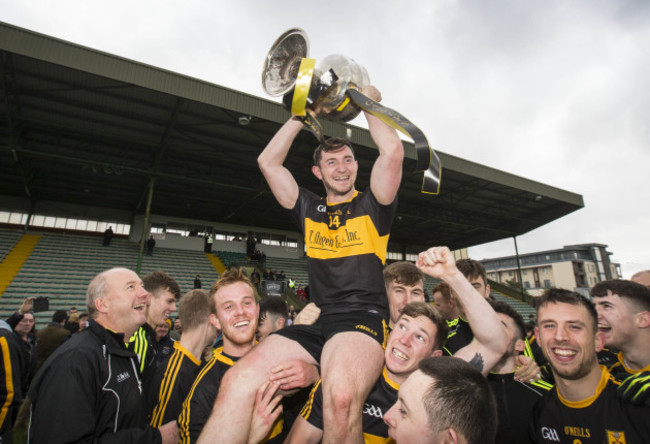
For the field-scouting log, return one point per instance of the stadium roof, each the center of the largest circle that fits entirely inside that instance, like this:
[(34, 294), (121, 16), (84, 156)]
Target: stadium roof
[(81, 126)]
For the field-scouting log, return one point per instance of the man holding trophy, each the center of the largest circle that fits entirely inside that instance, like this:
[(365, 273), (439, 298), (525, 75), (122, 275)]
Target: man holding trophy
[(346, 236)]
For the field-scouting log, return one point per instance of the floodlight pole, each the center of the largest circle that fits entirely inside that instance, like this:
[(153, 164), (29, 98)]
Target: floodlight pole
[(521, 279), (145, 224)]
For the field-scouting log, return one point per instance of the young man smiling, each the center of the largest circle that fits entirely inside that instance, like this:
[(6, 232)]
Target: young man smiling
[(404, 284), (237, 311), (164, 293), (346, 236), (419, 332), (583, 407), (624, 319)]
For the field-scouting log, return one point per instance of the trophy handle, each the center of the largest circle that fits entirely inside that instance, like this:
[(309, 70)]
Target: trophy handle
[(282, 63)]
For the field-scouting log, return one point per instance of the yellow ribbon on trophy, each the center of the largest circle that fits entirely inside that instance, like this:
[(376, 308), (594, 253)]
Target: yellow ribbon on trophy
[(301, 89)]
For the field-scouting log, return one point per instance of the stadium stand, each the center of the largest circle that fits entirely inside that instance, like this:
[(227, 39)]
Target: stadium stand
[(61, 266), (293, 268)]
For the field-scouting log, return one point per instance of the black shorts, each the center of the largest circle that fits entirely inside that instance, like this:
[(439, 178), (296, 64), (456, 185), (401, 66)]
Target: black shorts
[(313, 337)]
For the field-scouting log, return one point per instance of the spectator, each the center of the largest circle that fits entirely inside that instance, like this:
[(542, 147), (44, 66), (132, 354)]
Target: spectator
[(642, 277), (177, 329), (72, 323), (164, 344), (83, 321), (197, 281), (209, 240), (90, 386), (108, 235), (151, 243), (301, 293), (51, 337)]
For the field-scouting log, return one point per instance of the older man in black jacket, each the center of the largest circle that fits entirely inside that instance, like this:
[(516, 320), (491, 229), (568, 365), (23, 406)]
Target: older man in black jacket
[(89, 390)]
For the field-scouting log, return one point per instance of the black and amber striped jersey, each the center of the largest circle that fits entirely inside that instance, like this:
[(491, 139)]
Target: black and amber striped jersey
[(601, 418), (619, 370), (382, 397), (171, 383), (141, 343), (203, 393), (460, 334), (346, 247), (11, 392), (515, 402)]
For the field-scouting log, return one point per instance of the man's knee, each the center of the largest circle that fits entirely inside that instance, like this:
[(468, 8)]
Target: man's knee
[(243, 380), (343, 400)]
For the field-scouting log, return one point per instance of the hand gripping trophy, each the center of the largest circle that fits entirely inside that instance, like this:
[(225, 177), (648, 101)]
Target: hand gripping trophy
[(332, 91)]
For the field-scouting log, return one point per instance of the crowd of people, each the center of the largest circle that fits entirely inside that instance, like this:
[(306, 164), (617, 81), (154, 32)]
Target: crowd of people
[(367, 360)]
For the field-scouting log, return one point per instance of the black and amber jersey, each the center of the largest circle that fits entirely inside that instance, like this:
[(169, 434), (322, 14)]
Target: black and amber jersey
[(200, 400), (141, 343), (346, 248), (11, 394), (602, 418), (619, 370), (382, 397), (460, 335), (515, 402), (171, 383)]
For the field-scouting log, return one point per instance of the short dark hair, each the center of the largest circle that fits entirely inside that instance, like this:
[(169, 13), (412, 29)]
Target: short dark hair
[(59, 316), (459, 398), (472, 269), (415, 309), (195, 308), (637, 294), (159, 280), (275, 307), (405, 273), (331, 144), (560, 295), (506, 309)]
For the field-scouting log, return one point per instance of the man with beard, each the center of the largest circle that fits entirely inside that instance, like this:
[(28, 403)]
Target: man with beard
[(346, 236), (583, 407)]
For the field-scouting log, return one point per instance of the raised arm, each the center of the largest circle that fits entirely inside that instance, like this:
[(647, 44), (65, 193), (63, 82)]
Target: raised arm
[(387, 171), (490, 336), (271, 160)]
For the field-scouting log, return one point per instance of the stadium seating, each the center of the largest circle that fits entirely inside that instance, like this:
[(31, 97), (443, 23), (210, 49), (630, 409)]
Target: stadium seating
[(61, 266)]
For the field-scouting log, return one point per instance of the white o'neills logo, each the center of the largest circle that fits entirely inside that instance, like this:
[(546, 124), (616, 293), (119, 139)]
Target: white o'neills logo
[(321, 208), (372, 410), (123, 376), (550, 434)]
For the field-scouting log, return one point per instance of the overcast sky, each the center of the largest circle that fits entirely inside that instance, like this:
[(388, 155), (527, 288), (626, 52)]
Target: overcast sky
[(553, 91)]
